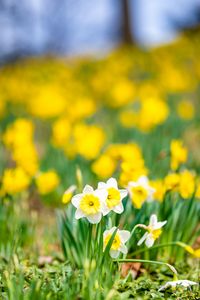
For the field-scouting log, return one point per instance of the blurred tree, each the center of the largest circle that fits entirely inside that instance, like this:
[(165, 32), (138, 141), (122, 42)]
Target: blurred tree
[(126, 23)]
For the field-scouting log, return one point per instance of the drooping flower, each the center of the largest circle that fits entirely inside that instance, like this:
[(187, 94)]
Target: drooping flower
[(118, 244), (153, 231), (177, 283), (90, 204), (115, 195), (140, 191)]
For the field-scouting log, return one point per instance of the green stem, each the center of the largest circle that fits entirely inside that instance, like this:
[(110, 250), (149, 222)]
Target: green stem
[(89, 237), (148, 261)]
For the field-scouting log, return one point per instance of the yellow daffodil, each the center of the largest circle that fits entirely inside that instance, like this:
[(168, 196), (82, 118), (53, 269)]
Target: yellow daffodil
[(115, 196), (153, 231), (47, 182), (90, 204), (118, 244), (186, 184), (160, 189), (140, 191), (104, 166), (15, 180), (179, 154)]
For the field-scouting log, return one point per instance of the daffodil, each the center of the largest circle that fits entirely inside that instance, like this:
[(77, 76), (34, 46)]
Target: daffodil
[(153, 231), (179, 154), (118, 244), (67, 196), (177, 283), (140, 191), (90, 204), (115, 196)]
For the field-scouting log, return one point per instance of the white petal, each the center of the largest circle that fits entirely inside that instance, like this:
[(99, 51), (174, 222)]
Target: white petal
[(94, 219), (125, 235), (104, 209), (153, 220), (118, 209), (123, 193), (88, 189), (114, 253), (109, 231), (123, 249), (149, 241), (79, 214), (144, 181), (102, 194), (143, 238), (112, 182), (76, 200), (102, 185), (160, 224)]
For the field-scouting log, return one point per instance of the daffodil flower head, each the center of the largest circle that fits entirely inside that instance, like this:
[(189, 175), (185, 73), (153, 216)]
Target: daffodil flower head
[(114, 197), (153, 231), (67, 196), (90, 204), (177, 283), (118, 244), (140, 191)]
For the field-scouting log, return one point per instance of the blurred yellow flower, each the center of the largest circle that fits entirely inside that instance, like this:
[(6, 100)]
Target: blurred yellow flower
[(48, 102), (15, 181), (122, 93), (88, 140), (47, 182), (186, 184), (171, 182), (160, 189), (179, 154), (104, 166), (61, 131)]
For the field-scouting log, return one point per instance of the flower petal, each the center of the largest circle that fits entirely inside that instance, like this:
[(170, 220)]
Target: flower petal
[(114, 253), (149, 241), (153, 220), (143, 238), (125, 235), (88, 189), (112, 182), (76, 200), (123, 193), (94, 219), (160, 224), (102, 185), (104, 209), (79, 214), (123, 249), (118, 209), (101, 194)]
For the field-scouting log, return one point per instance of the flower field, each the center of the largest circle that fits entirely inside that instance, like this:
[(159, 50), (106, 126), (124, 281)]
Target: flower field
[(100, 175)]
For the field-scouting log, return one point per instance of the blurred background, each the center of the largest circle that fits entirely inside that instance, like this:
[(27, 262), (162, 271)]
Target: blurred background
[(32, 27)]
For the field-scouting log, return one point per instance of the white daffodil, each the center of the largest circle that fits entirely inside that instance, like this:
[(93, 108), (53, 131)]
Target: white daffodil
[(115, 195), (153, 231), (176, 283), (140, 191), (118, 244), (90, 204)]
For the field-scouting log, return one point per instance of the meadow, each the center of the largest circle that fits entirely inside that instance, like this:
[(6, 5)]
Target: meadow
[(100, 175)]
